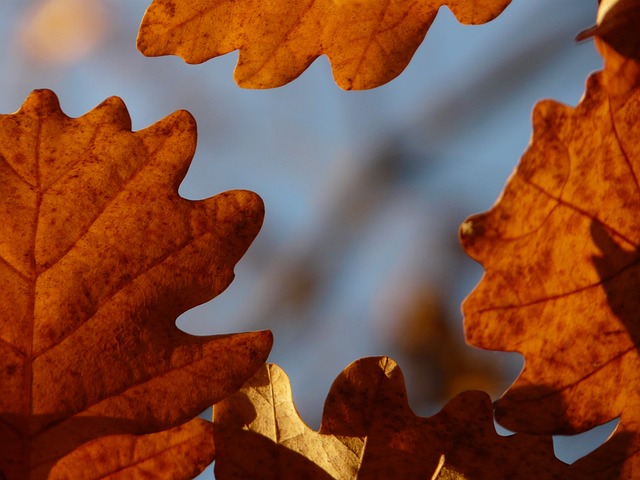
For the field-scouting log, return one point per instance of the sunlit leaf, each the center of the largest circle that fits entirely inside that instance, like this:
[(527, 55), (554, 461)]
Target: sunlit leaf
[(368, 431), (369, 42), (561, 250), (98, 256)]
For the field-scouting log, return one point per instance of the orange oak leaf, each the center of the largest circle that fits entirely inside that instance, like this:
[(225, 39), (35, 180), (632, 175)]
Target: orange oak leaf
[(368, 42), (179, 453), (368, 431), (98, 256), (561, 255)]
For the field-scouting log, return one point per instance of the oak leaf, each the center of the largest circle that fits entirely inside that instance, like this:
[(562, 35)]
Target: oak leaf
[(98, 256), (368, 42), (561, 252), (617, 24), (368, 431), (181, 452)]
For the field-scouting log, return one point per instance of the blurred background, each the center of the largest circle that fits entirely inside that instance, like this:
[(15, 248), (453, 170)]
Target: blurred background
[(364, 191)]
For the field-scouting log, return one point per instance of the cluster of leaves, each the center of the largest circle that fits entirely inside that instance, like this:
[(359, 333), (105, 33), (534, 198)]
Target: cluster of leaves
[(99, 255)]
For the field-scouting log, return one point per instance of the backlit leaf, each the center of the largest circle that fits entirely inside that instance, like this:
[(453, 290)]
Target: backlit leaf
[(368, 431), (98, 256), (179, 453), (617, 24), (369, 42), (561, 253)]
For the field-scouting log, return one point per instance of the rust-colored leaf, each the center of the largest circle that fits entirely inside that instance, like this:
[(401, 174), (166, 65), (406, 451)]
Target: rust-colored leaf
[(368, 431), (561, 251), (179, 453), (369, 42), (98, 256)]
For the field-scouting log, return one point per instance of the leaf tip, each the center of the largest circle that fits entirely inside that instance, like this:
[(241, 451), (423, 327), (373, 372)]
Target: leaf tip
[(264, 342), (115, 110), (244, 208), (41, 102), (469, 13)]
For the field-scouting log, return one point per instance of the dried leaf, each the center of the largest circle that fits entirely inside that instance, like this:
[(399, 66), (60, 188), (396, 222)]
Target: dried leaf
[(98, 256), (618, 24), (179, 453), (368, 431), (560, 252), (369, 42)]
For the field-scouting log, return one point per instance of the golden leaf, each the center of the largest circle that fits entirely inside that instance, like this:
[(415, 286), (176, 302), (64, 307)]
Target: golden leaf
[(368, 431), (98, 256), (369, 42), (560, 252)]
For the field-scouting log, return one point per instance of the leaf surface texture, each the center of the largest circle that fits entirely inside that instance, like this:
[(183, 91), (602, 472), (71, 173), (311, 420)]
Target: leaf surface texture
[(181, 452), (368, 431), (98, 256), (368, 42), (561, 252)]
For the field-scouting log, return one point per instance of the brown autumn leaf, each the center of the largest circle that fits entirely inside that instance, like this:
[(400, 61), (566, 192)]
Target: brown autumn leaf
[(368, 42), (561, 253), (98, 256), (617, 24), (178, 453), (368, 431)]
